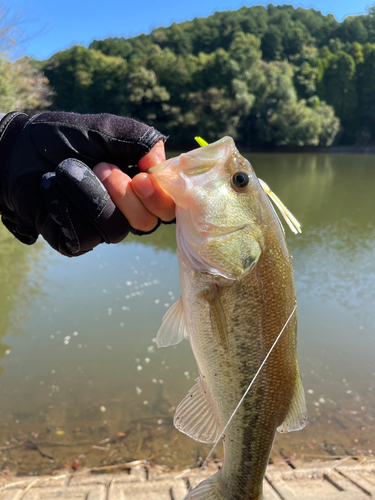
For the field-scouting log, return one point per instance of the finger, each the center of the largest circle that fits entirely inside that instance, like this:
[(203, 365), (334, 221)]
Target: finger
[(119, 187), (154, 157), (153, 197)]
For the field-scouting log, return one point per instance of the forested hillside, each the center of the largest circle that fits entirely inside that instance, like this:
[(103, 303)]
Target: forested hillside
[(265, 75)]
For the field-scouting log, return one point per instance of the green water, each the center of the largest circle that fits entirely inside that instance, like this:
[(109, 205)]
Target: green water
[(79, 366)]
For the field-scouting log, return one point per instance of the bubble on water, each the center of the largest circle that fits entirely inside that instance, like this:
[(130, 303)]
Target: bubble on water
[(361, 327), (79, 346), (151, 348), (109, 347), (139, 368), (53, 371), (124, 308), (7, 352), (310, 391), (104, 290), (109, 311), (187, 375), (103, 409), (166, 304), (51, 336), (122, 324), (154, 381), (167, 367), (147, 360), (348, 392), (41, 382), (161, 381), (160, 421), (145, 402), (163, 362), (128, 283), (322, 400), (138, 390), (153, 340), (316, 403), (75, 334), (170, 293)]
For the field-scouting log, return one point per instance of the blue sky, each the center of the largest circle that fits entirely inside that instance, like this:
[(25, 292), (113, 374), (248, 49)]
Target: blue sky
[(54, 25)]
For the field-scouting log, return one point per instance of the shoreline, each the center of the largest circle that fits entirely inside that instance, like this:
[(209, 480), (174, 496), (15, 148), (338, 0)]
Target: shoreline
[(365, 150)]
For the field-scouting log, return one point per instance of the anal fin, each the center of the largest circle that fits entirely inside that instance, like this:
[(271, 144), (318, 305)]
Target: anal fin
[(297, 414), (195, 415)]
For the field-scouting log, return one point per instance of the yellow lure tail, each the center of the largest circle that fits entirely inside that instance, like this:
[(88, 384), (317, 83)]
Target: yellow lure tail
[(289, 218), (201, 141)]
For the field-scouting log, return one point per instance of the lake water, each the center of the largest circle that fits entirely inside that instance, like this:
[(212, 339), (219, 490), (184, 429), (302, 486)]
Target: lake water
[(80, 374)]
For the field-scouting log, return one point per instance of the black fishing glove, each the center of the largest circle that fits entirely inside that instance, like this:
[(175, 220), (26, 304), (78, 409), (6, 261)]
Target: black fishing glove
[(46, 186)]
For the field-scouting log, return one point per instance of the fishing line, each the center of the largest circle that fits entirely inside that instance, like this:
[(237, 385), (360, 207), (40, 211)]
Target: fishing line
[(242, 399)]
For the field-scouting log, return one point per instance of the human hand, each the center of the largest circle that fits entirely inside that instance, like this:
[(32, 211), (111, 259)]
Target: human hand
[(46, 183), (140, 199)]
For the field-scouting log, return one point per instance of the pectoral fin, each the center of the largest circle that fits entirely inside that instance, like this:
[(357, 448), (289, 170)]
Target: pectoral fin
[(195, 415), (217, 316), (297, 414), (173, 327)]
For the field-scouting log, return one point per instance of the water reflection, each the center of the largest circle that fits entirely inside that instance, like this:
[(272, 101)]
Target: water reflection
[(20, 282), (83, 369)]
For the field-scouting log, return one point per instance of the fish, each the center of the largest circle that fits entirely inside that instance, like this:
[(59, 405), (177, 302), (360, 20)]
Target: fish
[(237, 296)]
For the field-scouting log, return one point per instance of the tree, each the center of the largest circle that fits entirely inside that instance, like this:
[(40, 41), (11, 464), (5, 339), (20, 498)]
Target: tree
[(366, 95), (338, 88), (23, 87), (272, 44), (85, 80)]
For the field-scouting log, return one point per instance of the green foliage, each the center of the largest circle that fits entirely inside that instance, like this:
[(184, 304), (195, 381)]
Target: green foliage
[(86, 80), (23, 87), (366, 97), (338, 88), (265, 75)]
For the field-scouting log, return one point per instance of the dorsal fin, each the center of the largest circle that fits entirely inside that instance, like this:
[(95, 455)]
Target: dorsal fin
[(196, 417)]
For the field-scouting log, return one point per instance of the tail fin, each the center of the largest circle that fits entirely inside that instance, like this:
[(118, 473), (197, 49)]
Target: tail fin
[(206, 490)]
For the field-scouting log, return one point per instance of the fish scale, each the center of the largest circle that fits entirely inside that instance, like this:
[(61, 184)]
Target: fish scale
[(237, 295)]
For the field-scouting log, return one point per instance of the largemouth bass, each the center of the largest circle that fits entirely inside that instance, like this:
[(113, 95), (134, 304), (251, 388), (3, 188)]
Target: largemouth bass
[(237, 293)]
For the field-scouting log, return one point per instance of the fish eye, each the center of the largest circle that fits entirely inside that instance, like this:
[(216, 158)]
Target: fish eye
[(240, 179)]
